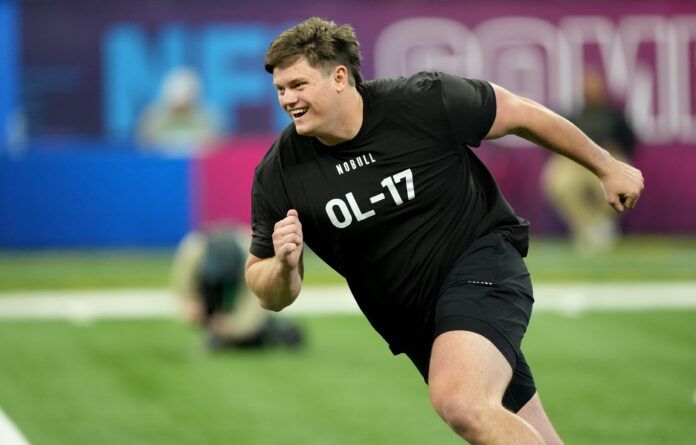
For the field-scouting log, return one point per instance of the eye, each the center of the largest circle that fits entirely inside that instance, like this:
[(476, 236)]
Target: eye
[(297, 85)]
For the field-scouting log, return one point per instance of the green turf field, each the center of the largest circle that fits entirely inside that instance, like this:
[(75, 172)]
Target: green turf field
[(636, 259), (606, 378)]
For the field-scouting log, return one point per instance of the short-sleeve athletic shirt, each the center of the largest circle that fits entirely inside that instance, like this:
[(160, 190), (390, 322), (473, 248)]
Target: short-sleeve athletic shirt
[(393, 208)]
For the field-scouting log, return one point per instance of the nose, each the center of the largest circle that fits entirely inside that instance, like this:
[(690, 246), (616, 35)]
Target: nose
[(288, 98)]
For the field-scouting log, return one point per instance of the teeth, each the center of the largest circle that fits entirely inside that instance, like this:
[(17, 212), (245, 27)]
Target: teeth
[(298, 111)]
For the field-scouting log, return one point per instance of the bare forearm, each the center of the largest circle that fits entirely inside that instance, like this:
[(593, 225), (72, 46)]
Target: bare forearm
[(549, 130), (276, 285), (622, 183), (536, 123)]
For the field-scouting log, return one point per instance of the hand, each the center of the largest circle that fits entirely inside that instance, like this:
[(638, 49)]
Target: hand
[(623, 185), (287, 240)]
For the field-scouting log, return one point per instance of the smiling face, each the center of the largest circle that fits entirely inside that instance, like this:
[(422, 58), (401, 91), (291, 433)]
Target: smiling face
[(310, 97)]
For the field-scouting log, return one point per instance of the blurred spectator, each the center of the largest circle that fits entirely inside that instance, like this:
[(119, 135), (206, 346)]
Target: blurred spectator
[(208, 277), (573, 191), (177, 122)]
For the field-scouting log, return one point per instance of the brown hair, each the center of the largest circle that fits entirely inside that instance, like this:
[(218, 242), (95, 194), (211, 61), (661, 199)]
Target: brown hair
[(323, 43)]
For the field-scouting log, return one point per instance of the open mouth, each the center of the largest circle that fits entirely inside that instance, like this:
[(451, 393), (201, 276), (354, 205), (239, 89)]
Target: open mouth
[(298, 112)]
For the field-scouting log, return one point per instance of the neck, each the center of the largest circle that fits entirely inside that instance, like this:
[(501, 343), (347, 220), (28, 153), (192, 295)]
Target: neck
[(349, 121)]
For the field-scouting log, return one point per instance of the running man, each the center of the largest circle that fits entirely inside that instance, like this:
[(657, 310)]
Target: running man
[(378, 179)]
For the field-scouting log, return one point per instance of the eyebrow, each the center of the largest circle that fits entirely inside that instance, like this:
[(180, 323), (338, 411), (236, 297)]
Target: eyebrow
[(292, 82)]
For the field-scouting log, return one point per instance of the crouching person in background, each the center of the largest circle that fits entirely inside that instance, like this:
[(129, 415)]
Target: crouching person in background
[(208, 279)]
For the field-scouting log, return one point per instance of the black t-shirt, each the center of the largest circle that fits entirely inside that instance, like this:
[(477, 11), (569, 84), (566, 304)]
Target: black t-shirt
[(393, 208)]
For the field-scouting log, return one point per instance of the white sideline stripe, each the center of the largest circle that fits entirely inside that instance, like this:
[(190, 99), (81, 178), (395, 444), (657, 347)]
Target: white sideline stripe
[(88, 305), (615, 296), (9, 433), (568, 298)]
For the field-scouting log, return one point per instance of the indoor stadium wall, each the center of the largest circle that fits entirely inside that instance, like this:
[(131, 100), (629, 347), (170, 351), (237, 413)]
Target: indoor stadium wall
[(71, 174)]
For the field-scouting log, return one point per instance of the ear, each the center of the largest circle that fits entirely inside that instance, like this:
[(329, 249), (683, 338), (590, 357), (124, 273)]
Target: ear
[(340, 78)]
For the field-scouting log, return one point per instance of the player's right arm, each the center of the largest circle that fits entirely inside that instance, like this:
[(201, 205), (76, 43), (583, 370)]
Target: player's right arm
[(277, 280)]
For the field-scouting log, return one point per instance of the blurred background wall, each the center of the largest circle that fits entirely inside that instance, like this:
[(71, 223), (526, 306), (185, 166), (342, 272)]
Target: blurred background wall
[(78, 78)]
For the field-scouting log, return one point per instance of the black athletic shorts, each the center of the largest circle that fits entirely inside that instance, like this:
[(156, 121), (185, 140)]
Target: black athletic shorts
[(488, 291)]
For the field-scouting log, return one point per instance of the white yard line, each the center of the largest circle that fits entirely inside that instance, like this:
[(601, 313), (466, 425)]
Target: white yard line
[(568, 298), (9, 433), (583, 297), (88, 305)]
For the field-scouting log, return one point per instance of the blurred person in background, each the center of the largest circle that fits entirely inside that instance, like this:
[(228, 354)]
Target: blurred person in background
[(378, 179), (573, 191), (177, 122), (208, 278)]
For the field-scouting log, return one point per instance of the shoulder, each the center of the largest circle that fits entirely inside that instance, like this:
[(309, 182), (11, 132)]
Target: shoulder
[(287, 151), (418, 84), (425, 85), (269, 166), (272, 157), (417, 95)]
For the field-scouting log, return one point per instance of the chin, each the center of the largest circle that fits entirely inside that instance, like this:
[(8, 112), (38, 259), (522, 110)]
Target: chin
[(303, 130)]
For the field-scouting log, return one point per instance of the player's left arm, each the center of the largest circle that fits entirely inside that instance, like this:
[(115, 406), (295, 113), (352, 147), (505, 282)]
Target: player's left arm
[(523, 117)]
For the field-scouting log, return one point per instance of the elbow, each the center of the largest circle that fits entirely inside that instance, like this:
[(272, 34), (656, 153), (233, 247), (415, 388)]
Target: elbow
[(271, 301), (273, 306)]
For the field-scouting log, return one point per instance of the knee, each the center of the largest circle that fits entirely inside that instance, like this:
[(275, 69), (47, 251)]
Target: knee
[(468, 417)]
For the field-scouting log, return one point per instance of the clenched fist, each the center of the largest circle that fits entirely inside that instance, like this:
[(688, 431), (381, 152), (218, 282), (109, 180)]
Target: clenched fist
[(287, 240), (623, 185)]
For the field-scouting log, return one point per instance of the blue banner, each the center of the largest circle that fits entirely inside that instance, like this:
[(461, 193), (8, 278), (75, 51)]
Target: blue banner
[(9, 65)]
